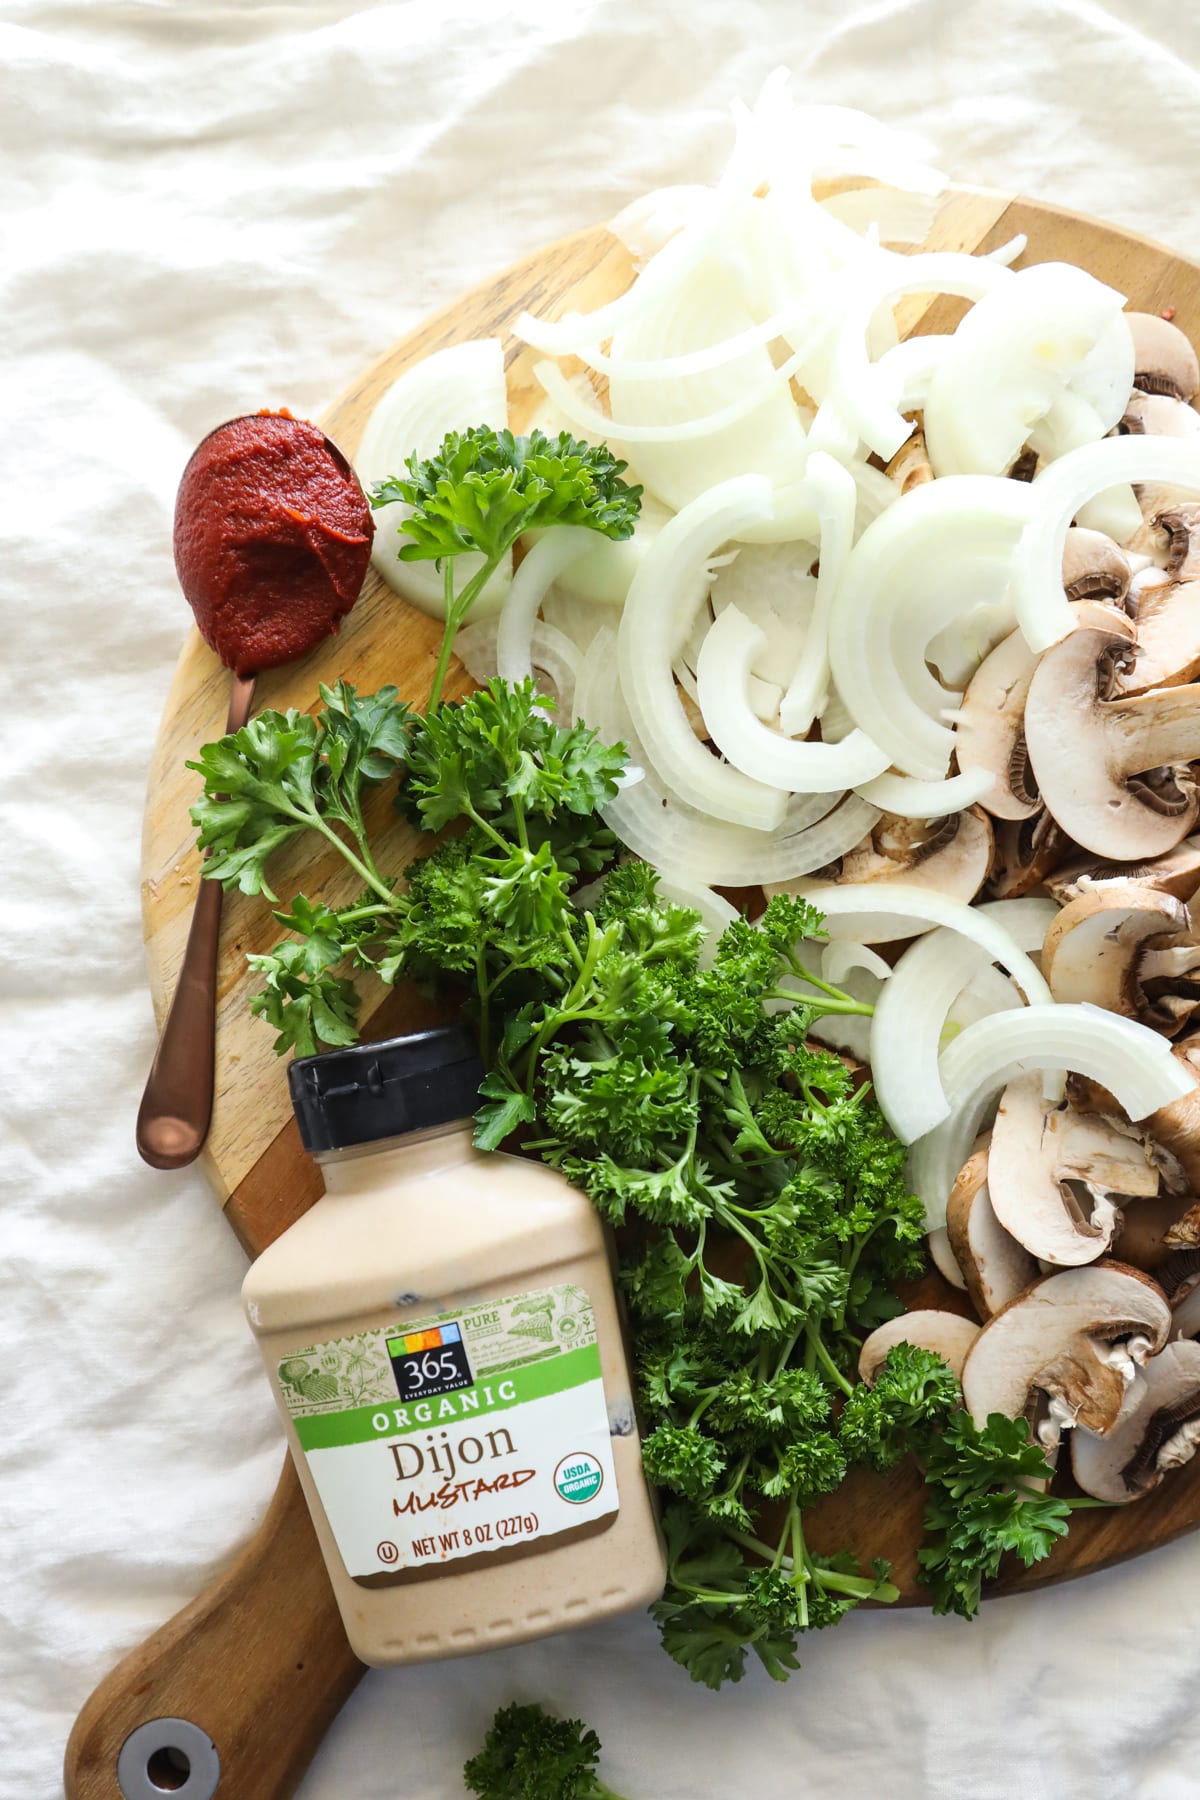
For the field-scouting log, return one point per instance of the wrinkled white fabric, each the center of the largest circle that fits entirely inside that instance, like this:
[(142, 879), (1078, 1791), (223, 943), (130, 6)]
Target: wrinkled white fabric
[(206, 208)]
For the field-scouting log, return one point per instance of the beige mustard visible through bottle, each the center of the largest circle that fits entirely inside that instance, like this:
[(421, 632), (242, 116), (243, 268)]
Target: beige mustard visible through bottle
[(442, 1335)]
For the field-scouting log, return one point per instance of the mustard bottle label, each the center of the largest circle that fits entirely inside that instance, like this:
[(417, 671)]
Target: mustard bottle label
[(463, 1434)]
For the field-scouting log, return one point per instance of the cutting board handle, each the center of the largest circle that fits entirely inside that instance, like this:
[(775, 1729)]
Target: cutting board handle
[(257, 1666)]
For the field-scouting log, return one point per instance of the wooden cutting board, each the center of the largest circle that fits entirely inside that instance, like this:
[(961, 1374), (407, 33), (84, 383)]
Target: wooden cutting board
[(259, 1662)]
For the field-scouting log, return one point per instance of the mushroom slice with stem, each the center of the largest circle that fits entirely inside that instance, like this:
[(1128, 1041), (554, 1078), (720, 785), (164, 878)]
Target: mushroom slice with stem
[(1053, 1173), (1113, 772), (1066, 1349), (947, 1334), (951, 855), (995, 1267), (1164, 361), (1158, 1430), (1177, 873), (1129, 949)]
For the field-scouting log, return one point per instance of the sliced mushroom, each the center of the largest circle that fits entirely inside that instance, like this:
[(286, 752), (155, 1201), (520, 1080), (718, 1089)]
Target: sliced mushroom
[(1113, 772), (1053, 1173), (989, 730), (1177, 1125), (1156, 415), (1152, 1233), (1158, 1430), (950, 855), (1167, 616), (1185, 1298), (1026, 852), (910, 467), (1164, 361), (1094, 568), (1069, 1345), (1177, 873), (1129, 949), (995, 1267), (947, 1334), (942, 1256)]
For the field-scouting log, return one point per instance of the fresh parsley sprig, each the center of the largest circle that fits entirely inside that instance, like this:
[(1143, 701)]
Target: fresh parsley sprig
[(483, 488), (987, 1484), (528, 1754)]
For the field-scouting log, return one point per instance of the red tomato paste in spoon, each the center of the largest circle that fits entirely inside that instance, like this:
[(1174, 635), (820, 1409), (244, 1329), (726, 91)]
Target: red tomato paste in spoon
[(272, 539)]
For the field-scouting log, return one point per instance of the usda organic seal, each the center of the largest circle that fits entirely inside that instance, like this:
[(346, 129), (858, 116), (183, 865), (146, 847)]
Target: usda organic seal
[(578, 1477)]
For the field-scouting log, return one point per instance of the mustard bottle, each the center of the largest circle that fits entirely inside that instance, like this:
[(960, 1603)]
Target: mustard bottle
[(442, 1336)]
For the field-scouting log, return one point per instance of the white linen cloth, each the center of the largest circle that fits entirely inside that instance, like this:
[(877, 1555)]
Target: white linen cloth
[(207, 208)]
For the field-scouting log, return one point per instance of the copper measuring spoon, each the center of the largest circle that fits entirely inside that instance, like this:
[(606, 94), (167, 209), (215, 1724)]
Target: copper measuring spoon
[(176, 1109)]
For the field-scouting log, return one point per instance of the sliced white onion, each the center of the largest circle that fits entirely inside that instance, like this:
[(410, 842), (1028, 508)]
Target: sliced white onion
[(988, 991), (1026, 920), (942, 551), (878, 914), (906, 373), (833, 498), (862, 400), (576, 618), (798, 321), (771, 584), (909, 1025), (554, 552), (909, 798), (730, 855), (1131, 1061), (722, 677), (657, 826), (646, 642), (839, 957), (647, 223), (899, 218), (1042, 609), (692, 432), (554, 653), (668, 268), (603, 571), (1009, 361), (451, 390), (597, 424)]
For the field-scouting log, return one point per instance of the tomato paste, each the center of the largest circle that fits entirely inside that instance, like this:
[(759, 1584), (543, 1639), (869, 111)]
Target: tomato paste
[(272, 539)]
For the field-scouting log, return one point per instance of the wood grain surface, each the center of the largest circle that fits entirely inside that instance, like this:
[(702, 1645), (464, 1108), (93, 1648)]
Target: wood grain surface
[(259, 1661)]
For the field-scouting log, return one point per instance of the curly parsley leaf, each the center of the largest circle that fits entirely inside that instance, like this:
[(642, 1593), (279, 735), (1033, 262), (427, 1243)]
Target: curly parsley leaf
[(528, 1754), (482, 488)]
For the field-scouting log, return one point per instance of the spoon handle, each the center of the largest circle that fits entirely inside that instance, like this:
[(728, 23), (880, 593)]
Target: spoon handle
[(173, 1119)]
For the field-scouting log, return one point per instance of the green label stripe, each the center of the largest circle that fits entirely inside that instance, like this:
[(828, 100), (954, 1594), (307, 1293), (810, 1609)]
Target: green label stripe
[(398, 1418)]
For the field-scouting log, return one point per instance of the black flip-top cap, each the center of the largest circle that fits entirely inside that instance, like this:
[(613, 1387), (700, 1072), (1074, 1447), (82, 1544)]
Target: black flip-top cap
[(373, 1091)]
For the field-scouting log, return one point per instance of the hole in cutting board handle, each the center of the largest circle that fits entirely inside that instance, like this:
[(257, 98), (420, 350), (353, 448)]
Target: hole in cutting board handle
[(169, 1769), (168, 1756)]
